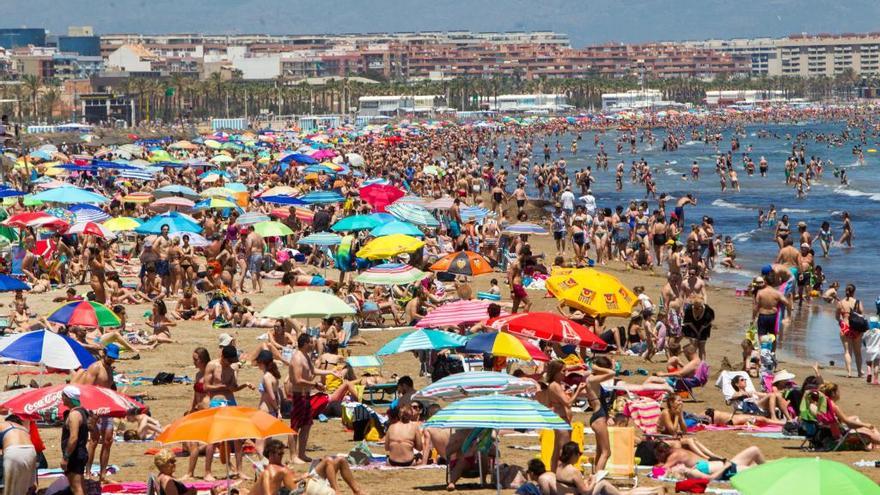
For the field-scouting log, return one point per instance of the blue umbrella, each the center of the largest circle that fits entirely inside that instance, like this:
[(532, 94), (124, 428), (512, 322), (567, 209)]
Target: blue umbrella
[(413, 214), (282, 200), (221, 173), (8, 192), (8, 284), (497, 412), (422, 340), (319, 168), (299, 158), (322, 239), (321, 197), (526, 228), (70, 194), (46, 348), (397, 227), (72, 167), (356, 222), (383, 217), (177, 189), (88, 213), (478, 213), (174, 220)]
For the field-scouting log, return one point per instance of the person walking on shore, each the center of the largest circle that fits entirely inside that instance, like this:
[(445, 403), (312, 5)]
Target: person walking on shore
[(848, 309)]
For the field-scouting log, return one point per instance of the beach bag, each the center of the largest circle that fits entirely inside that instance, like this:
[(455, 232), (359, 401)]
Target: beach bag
[(163, 378), (445, 366), (857, 321)]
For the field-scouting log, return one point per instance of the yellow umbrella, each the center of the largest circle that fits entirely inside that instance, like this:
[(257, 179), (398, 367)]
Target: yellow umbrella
[(217, 191), (389, 246), (122, 224), (138, 197), (219, 204), (594, 292)]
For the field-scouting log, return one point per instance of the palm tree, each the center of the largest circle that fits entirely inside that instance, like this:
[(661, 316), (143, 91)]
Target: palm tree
[(32, 84), (51, 98)]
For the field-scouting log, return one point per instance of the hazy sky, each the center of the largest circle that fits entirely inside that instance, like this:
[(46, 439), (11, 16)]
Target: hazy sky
[(585, 21)]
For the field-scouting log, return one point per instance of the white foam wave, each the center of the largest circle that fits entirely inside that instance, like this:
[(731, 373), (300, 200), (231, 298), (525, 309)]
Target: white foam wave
[(691, 143), (741, 272), (673, 162), (671, 171), (855, 193), (794, 210), (743, 236), (726, 204)]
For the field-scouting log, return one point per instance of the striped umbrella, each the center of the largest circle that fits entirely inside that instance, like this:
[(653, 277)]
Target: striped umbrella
[(477, 213), (88, 213), (46, 348), (322, 197), (526, 228), (172, 202), (411, 199), (504, 345), (391, 274), (455, 313), (85, 314), (91, 228), (497, 412), (252, 217), (413, 214), (422, 340), (175, 189), (443, 203), (475, 383), (322, 239)]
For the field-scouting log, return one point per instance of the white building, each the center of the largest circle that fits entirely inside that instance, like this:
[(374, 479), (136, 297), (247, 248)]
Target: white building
[(258, 68), (748, 97), (635, 99), (401, 104), (536, 103), (131, 58)]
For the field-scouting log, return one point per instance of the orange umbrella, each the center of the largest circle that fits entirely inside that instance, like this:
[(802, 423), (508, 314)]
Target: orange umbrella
[(221, 424), (466, 263)]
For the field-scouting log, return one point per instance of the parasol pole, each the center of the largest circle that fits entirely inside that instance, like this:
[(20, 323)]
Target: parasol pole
[(497, 464)]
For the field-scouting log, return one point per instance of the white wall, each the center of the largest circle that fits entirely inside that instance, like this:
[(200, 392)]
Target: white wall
[(258, 67), (127, 60)]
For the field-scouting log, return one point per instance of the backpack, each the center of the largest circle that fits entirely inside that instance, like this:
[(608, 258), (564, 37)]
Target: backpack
[(857, 321), (445, 366)]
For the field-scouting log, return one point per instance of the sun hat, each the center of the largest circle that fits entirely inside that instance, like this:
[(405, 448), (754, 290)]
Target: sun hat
[(783, 376), (224, 339), (111, 351)]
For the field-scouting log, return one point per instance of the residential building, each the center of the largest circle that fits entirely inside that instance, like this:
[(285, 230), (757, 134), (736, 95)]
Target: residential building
[(830, 55), (89, 46), (132, 58)]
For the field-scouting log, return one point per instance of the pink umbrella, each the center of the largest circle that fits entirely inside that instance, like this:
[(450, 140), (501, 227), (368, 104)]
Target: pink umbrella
[(323, 154), (380, 195), (171, 202), (455, 313)]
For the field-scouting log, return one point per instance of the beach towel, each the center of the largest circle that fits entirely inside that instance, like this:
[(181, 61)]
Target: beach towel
[(757, 429), (644, 412)]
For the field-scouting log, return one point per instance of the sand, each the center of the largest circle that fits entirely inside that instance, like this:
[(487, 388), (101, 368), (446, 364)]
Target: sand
[(171, 401)]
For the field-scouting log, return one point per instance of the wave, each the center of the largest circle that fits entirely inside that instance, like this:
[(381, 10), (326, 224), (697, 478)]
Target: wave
[(855, 193), (673, 162), (794, 210), (740, 272), (743, 236), (671, 171), (691, 143), (734, 206)]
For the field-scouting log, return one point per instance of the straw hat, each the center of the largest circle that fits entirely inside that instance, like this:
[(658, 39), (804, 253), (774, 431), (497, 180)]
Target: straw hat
[(783, 376)]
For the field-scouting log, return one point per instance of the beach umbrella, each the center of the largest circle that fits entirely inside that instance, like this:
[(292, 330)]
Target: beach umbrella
[(443, 203), (322, 197), (91, 228), (466, 263), (138, 197), (175, 189), (45, 402), (35, 219), (389, 246), (88, 213), (251, 218), (379, 195), (299, 158), (221, 192), (476, 383), (390, 274), (356, 222), (804, 476), (271, 228), (422, 340), (525, 228), (174, 220), (456, 313), (497, 412), (397, 227), (215, 204), (503, 345), (9, 284), (70, 194), (221, 159), (221, 424), (282, 200), (413, 214), (476, 213), (591, 291), (182, 145), (172, 202), (85, 314), (122, 224), (45, 348), (548, 326), (279, 191), (195, 240), (321, 239), (307, 304)]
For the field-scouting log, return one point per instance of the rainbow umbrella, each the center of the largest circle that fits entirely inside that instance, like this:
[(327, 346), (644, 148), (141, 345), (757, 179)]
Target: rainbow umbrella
[(85, 314), (503, 345)]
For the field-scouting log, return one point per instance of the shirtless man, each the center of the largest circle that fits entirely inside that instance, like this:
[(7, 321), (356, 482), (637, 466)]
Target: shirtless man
[(692, 285), (100, 373), (805, 272), (765, 309), (254, 246), (163, 268), (671, 291), (788, 254), (403, 439), (221, 383), (688, 199), (276, 475), (303, 378), (29, 262)]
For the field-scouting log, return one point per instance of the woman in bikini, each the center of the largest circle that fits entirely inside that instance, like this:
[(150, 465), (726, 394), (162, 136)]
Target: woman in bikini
[(600, 234), (571, 481), (600, 401), (200, 401), (559, 400), (175, 255)]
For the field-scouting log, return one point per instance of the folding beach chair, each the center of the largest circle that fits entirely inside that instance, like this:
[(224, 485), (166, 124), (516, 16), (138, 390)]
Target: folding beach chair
[(480, 438), (724, 383), (822, 429), (687, 385), (621, 465)]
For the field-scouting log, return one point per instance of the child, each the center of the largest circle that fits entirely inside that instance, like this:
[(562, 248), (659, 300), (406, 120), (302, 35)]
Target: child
[(729, 253), (872, 350), (493, 287)]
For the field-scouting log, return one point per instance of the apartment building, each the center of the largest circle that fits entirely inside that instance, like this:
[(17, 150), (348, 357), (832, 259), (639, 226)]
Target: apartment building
[(829, 55)]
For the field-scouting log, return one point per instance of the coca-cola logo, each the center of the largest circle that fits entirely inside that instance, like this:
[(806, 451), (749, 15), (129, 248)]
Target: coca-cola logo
[(44, 402)]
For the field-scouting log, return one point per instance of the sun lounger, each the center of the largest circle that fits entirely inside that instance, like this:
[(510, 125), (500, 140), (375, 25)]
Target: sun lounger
[(621, 464), (377, 393)]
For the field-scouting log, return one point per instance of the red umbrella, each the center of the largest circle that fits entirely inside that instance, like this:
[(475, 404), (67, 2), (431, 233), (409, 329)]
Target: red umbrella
[(380, 195), (34, 219), (45, 403), (548, 326)]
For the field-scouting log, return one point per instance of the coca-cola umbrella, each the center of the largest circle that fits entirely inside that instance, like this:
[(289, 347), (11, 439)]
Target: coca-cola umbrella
[(45, 403), (548, 326)]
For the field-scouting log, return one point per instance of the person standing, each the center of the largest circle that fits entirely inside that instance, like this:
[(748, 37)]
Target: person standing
[(850, 337), (74, 440), (100, 374), (19, 459), (303, 378), (221, 383), (697, 324)]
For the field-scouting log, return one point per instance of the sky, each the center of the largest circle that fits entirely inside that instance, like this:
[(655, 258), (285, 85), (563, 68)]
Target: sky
[(585, 21)]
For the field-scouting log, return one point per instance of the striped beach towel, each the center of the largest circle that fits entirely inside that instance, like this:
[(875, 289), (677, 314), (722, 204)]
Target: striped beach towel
[(645, 413)]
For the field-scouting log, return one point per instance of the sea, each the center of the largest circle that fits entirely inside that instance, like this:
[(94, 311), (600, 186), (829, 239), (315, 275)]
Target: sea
[(814, 335)]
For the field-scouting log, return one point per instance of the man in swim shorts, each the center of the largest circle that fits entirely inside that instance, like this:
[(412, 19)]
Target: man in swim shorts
[(766, 308)]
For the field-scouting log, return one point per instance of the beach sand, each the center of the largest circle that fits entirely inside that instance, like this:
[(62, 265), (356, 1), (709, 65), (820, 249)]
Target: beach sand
[(171, 401)]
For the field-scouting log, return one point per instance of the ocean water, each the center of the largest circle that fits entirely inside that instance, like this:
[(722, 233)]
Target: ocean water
[(814, 335)]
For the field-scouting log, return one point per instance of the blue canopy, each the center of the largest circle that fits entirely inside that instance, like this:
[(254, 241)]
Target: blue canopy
[(8, 284), (299, 158), (321, 197), (69, 194), (174, 220), (282, 200)]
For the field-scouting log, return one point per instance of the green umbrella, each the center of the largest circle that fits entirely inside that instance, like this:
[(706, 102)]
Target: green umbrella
[(804, 476), (272, 229), (307, 304)]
